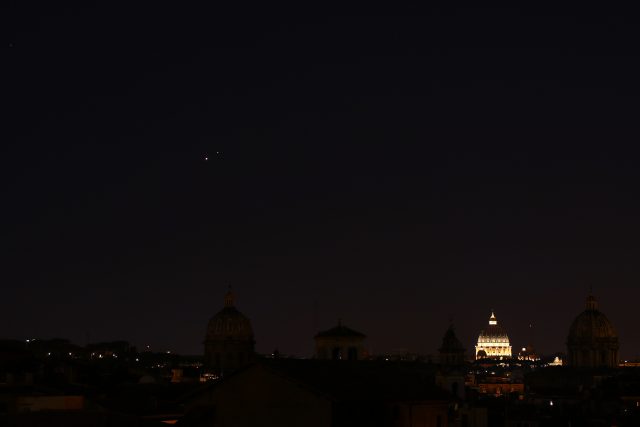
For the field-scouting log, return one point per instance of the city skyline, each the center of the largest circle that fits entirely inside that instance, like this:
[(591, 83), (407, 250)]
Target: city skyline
[(429, 349), (392, 170)]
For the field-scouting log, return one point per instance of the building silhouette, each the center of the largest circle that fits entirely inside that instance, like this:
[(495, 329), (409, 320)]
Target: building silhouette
[(451, 351), (592, 341), (340, 343), (451, 371), (229, 342)]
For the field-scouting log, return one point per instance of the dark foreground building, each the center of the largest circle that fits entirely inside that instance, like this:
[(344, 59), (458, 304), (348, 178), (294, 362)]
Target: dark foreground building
[(315, 393)]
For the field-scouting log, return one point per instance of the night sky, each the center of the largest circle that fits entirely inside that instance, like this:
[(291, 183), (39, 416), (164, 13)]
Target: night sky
[(392, 170)]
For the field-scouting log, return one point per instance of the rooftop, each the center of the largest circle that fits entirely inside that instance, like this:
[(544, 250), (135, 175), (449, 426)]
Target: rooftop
[(340, 331)]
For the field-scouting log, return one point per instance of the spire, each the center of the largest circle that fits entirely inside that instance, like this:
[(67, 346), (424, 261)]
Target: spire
[(592, 304), (451, 329), (229, 298), (492, 319)]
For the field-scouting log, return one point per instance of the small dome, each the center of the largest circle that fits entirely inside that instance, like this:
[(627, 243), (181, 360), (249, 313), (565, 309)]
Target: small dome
[(481, 354), (229, 323)]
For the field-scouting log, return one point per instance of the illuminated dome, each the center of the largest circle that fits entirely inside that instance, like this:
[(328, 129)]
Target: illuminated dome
[(229, 343), (592, 339), (493, 341)]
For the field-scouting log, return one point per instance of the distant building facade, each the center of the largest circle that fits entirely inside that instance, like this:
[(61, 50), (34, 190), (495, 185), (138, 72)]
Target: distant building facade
[(528, 353), (340, 343), (592, 341), (229, 342), (493, 342)]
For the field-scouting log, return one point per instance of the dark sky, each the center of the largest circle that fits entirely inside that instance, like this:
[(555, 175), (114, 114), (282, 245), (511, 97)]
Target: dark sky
[(394, 170)]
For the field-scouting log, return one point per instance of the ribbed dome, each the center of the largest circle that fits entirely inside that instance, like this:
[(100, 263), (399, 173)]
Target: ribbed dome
[(592, 341), (591, 324), (494, 330), (229, 323)]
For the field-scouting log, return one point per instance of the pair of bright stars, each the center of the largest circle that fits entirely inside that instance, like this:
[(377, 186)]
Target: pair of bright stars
[(206, 157)]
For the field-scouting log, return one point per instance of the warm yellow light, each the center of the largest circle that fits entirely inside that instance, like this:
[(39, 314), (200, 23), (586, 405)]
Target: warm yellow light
[(495, 346)]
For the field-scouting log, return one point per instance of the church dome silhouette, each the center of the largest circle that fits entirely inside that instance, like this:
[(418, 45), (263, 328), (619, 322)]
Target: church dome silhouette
[(229, 323), (228, 343), (591, 324), (592, 339)]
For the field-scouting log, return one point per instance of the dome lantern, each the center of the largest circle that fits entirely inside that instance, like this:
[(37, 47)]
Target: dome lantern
[(229, 298), (492, 319)]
